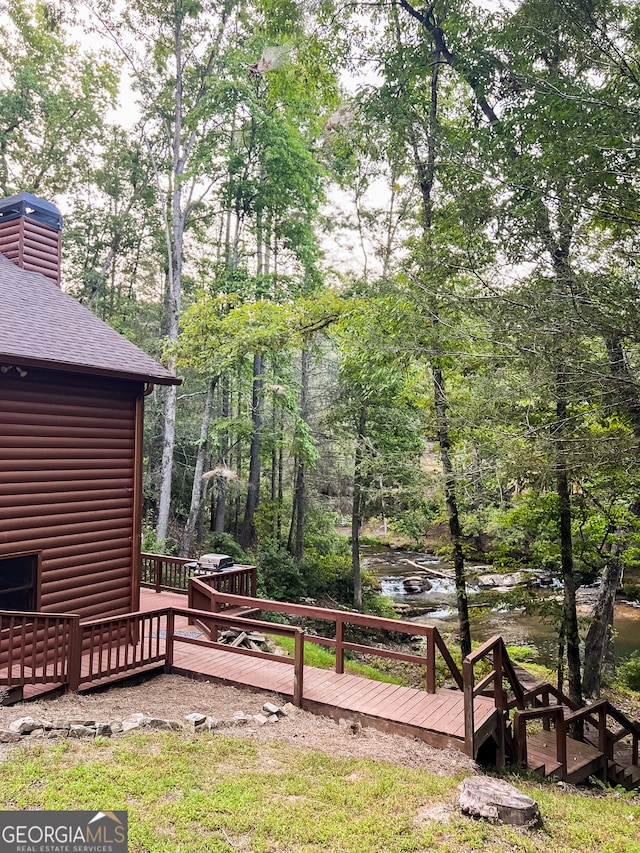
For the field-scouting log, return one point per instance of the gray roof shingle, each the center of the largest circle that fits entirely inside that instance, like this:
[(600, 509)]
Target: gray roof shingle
[(42, 326)]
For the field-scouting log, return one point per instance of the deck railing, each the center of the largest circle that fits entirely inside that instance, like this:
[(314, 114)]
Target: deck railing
[(495, 653), (166, 573), (340, 619), (118, 645), (597, 715), (36, 648), (138, 641), (173, 574), (215, 621), (241, 580)]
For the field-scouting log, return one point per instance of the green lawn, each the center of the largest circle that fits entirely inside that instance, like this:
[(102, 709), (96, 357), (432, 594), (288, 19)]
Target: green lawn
[(210, 793)]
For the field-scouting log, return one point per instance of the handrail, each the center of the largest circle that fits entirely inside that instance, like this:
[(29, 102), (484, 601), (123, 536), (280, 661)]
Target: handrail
[(223, 619), (544, 689), (597, 714), (520, 719), (120, 644), (163, 572), (502, 668), (346, 617)]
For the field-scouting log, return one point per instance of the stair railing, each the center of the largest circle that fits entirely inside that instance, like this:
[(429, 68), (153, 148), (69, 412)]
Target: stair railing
[(596, 714), (495, 652), (551, 712)]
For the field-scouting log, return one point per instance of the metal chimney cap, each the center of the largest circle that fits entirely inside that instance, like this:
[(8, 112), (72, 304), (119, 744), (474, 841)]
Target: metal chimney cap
[(27, 204)]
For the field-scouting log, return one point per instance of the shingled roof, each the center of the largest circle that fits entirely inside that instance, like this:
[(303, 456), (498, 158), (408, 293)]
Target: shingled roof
[(41, 326)]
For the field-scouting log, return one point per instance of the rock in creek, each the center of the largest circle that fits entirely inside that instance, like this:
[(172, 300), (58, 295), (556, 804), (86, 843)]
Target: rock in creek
[(415, 584)]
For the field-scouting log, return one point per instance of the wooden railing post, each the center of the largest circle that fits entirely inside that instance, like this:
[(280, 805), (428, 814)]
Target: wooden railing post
[(254, 582), (469, 733), (431, 662), (546, 723), (561, 741), (498, 687), (520, 738), (339, 645), (74, 664), (158, 565), (298, 668), (168, 648)]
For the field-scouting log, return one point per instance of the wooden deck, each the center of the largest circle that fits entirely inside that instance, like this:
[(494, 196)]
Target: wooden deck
[(436, 718), (474, 718)]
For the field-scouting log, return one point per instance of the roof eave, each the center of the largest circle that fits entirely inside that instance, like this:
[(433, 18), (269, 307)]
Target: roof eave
[(88, 369)]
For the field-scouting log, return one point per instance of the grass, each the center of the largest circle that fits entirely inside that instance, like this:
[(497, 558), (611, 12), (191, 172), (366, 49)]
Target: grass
[(319, 657), (215, 794)]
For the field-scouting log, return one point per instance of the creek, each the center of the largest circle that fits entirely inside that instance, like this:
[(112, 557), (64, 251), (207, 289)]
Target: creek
[(436, 606)]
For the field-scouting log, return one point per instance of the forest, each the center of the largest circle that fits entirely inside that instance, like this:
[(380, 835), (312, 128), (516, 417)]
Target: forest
[(391, 250)]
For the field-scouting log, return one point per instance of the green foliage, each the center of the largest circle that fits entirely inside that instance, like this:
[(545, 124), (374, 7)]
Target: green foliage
[(330, 576), (629, 672), (224, 543), (279, 577)]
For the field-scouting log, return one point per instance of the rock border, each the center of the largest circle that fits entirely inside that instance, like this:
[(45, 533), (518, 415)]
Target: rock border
[(25, 727)]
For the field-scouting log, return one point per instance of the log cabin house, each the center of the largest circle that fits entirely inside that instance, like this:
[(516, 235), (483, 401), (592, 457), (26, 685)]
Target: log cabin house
[(71, 419)]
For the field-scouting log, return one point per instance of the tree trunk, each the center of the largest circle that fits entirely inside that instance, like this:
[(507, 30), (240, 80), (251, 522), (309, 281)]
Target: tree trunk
[(175, 239), (247, 531), (300, 474), (197, 488), (624, 381), (566, 553), (440, 400), (356, 509), (294, 511), (221, 505), (599, 633), (280, 488)]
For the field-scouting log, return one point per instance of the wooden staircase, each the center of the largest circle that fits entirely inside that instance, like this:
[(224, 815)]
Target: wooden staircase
[(607, 745), (610, 754)]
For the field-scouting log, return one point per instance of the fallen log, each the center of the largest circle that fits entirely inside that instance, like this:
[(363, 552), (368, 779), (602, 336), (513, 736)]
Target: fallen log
[(428, 569)]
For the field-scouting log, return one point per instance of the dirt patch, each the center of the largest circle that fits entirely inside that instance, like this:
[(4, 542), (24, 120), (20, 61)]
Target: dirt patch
[(173, 697)]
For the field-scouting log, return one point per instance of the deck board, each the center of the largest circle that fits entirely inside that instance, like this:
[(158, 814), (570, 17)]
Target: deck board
[(396, 708)]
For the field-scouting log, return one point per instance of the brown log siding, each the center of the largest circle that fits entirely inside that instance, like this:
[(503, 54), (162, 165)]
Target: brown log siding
[(67, 484)]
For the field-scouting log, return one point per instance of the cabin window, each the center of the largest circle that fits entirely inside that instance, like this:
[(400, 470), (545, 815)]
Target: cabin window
[(18, 576)]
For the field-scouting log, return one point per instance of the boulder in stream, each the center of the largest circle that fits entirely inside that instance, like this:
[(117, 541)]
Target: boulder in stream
[(415, 584)]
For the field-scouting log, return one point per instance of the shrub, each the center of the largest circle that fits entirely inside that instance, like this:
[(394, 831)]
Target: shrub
[(279, 577), (224, 543), (629, 671)]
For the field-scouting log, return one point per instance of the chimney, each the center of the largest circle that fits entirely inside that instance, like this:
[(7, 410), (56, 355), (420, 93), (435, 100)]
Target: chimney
[(30, 232)]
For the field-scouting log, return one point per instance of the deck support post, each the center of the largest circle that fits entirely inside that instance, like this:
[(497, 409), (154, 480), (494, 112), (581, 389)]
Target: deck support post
[(75, 654), (431, 663), (168, 648), (298, 669), (339, 646), (469, 734)]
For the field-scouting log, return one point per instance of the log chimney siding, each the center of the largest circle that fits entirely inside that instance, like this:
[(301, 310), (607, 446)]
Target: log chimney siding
[(68, 486), (30, 234)]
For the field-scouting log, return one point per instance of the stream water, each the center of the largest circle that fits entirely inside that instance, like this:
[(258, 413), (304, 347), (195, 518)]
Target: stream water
[(517, 627)]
